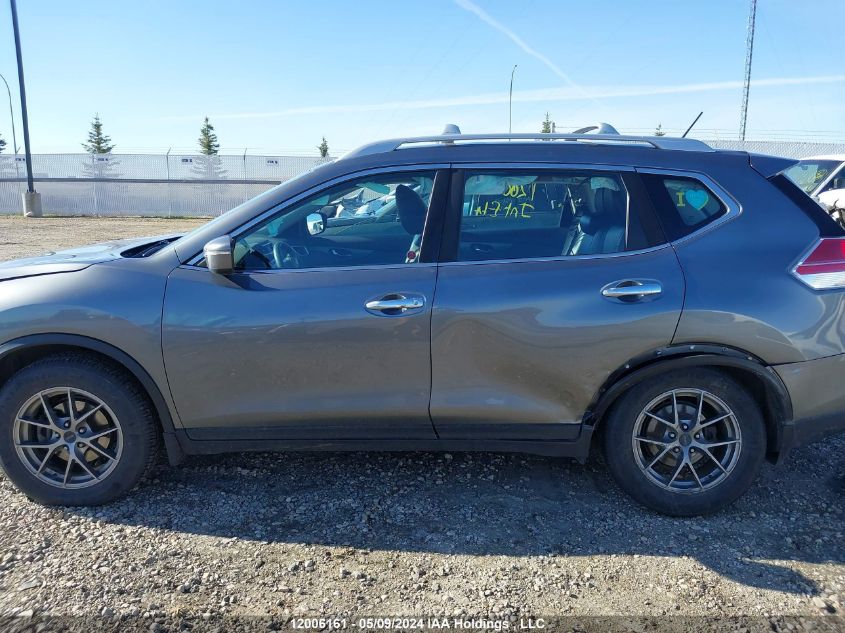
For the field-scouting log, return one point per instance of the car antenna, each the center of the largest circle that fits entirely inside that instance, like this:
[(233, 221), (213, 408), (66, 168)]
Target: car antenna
[(684, 135)]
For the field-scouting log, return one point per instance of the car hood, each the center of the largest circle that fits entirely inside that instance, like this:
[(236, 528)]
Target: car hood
[(75, 258)]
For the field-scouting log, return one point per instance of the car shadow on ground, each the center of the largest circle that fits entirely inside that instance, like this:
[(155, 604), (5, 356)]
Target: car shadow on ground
[(497, 504)]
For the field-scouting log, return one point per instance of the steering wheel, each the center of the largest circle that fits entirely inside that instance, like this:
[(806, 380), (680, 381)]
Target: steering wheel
[(284, 255), (253, 257)]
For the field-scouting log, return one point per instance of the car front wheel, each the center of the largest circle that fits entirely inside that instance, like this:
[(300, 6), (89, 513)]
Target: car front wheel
[(685, 443), (75, 431)]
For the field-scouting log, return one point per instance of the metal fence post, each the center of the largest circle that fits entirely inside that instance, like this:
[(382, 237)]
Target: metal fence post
[(95, 182), (169, 188)]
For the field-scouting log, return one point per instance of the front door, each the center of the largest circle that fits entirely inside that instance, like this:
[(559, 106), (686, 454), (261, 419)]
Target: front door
[(322, 331), (552, 279)]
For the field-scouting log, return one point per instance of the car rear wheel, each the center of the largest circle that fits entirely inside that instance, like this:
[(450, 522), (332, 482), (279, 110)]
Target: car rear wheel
[(685, 443), (75, 431)]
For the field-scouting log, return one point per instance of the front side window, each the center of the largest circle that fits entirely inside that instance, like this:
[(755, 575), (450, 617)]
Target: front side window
[(520, 214), (376, 220), (837, 182)]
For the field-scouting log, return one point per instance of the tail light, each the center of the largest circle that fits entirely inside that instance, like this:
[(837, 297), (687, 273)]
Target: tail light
[(823, 268)]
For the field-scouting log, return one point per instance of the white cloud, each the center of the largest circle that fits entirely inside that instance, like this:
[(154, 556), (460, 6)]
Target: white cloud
[(527, 96)]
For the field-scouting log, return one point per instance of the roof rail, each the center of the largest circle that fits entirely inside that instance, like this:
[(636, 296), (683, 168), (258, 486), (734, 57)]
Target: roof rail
[(657, 142)]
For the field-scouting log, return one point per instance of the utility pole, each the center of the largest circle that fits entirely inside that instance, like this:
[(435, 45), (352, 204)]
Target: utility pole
[(749, 51), (31, 198), (510, 103)]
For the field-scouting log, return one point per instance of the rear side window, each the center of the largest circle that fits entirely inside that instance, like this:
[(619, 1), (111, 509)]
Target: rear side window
[(683, 204), (524, 215)]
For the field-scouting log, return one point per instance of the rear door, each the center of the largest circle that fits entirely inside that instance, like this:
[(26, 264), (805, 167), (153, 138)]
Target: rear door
[(550, 279)]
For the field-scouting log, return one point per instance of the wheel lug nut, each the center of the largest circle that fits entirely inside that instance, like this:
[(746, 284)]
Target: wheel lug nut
[(80, 445), (698, 436), (676, 450)]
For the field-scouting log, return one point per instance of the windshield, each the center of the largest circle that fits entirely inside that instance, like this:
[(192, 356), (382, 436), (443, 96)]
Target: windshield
[(808, 174)]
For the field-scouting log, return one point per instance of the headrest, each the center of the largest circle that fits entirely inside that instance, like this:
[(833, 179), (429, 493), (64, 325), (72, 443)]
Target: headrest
[(410, 209), (605, 208)]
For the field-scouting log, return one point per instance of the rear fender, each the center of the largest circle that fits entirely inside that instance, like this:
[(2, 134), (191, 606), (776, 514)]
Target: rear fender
[(763, 382)]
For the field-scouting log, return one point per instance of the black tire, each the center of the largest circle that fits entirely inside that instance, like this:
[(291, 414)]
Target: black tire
[(625, 465), (113, 387)]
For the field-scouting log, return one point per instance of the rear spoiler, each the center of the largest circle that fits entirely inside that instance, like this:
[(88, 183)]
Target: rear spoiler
[(768, 166)]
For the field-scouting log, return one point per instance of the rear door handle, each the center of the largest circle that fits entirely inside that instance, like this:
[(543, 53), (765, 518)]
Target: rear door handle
[(395, 304), (632, 289)]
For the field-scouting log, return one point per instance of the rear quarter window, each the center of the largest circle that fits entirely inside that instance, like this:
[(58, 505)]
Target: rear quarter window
[(684, 205)]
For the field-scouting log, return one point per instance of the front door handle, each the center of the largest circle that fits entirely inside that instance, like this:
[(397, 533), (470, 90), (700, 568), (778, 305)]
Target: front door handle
[(395, 304), (632, 289)]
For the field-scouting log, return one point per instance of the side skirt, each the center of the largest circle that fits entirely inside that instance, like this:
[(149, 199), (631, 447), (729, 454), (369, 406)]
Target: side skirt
[(577, 449)]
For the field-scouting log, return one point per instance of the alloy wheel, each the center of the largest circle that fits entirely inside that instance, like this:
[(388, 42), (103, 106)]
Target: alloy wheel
[(686, 440), (67, 437)]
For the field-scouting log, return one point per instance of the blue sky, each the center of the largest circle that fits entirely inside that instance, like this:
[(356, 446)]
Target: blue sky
[(278, 75)]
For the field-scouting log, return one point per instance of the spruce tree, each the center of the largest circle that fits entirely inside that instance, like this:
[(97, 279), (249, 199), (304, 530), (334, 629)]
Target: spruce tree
[(2, 144), (208, 139), (98, 143), (208, 164), (324, 148), (548, 125), (98, 166), (658, 131)]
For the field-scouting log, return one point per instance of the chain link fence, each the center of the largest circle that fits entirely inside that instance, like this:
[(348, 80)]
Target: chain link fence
[(177, 185), (145, 184), (789, 149)]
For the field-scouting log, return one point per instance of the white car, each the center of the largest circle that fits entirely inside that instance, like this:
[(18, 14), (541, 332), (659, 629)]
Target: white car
[(823, 177)]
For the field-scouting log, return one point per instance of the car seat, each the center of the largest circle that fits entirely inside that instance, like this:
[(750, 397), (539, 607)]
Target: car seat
[(411, 210), (601, 228)]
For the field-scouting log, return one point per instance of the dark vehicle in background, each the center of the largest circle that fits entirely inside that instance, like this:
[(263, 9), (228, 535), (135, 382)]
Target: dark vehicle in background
[(678, 307)]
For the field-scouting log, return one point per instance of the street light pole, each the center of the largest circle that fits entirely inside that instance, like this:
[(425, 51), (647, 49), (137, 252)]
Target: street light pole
[(31, 198), (12, 120), (510, 102), (11, 115)]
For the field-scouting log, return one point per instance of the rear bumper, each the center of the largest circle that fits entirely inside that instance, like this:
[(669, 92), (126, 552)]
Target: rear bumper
[(817, 391)]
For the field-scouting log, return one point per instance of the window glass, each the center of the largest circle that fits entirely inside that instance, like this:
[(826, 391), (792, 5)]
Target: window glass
[(694, 202), (519, 214), (373, 221), (808, 174), (683, 205)]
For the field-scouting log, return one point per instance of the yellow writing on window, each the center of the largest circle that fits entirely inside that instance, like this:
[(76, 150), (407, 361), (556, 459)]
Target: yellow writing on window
[(517, 204)]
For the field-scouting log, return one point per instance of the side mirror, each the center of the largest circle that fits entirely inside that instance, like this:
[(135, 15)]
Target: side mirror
[(218, 255), (833, 200), (316, 223)]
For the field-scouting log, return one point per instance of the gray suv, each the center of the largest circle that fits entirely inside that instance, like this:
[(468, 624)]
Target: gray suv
[(681, 307)]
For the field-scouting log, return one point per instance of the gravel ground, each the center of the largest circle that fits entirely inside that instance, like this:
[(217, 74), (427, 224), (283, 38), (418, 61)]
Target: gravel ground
[(218, 539)]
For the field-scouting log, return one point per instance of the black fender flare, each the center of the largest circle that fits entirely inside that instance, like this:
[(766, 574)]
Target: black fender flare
[(778, 401), (174, 451)]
